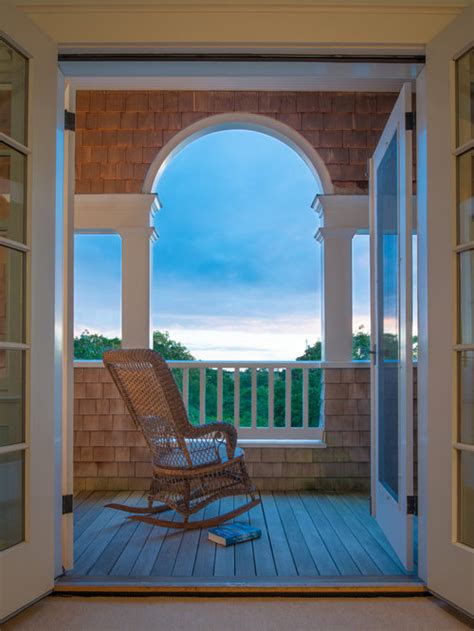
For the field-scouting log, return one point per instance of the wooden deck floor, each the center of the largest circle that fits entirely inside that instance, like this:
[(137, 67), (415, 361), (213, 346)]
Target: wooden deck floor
[(303, 535)]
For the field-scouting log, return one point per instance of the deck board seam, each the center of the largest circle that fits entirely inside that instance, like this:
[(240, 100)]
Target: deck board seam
[(371, 534), (370, 554)]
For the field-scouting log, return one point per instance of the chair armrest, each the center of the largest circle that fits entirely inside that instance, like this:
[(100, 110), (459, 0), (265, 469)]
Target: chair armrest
[(226, 429)]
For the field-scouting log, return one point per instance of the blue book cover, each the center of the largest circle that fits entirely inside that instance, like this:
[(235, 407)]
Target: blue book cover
[(229, 534)]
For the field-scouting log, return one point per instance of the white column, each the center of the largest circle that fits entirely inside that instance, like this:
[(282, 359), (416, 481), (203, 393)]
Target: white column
[(130, 216), (136, 285), (342, 216), (336, 297)]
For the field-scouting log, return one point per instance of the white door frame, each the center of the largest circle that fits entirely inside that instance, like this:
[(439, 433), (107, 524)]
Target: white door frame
[(433, 295), (66, 289)]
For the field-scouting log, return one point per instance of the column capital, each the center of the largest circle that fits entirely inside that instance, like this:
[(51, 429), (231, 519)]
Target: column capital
[(324, 234), (338, 211), (106, 212), (147, 232)]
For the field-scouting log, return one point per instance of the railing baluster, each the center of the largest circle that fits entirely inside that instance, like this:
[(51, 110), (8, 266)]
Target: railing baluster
[(236, 397), (287, 397), (202, 395), (219, 394), (271, 397), (254, 397), (186, 388), (305, 396), (279, 377)]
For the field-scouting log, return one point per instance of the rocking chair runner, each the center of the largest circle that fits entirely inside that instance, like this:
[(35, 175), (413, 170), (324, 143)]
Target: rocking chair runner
[(192, 465)]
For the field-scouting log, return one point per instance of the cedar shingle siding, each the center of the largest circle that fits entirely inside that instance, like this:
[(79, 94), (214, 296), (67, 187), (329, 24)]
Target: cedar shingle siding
[(120, 132)]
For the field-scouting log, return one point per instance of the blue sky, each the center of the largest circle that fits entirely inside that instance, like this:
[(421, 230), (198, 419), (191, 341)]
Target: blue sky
[(236, 270)]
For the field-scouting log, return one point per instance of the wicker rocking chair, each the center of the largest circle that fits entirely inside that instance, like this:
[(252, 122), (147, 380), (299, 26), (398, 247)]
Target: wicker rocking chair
[(192, 465)]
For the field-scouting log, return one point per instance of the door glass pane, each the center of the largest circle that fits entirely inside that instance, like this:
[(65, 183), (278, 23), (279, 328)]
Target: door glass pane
[(465, 170), (11, 499), (388, 342), (466, 397), (11, 397), (12, 194), (13, 81), (465, 90), (466, 498), (466, 297), (11, 295)]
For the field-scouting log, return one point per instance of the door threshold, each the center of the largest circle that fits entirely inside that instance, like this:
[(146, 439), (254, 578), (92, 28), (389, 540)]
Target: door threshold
[(233, 586)]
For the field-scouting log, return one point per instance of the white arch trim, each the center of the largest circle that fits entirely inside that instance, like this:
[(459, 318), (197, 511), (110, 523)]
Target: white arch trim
[(239, 120)]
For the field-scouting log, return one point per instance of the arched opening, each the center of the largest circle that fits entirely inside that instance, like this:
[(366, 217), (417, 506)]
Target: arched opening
[(236, 271), (239, 121)]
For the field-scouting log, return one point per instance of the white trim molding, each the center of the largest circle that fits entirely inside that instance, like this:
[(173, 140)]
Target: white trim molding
[(324, 234), (239, 120), (342, 211), (106, 213), (257, 25)]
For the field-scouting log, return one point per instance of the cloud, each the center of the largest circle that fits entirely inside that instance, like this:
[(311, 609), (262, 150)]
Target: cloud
[(256, 343)]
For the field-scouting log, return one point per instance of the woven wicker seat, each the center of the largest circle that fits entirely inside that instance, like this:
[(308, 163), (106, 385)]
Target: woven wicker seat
[(192, 465)]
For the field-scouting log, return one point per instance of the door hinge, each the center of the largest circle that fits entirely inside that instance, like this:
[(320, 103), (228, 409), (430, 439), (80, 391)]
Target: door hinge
[(412, 505), (373, 352), (409, 121), (69, 121), (68, 504)]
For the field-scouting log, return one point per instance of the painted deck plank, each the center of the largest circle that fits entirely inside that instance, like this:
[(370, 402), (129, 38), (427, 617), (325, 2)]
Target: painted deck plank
[(353, 546), (101, 536), (361, 507), (97, 520), (244, 555), (262, 549), (127, 559), (301, 555), (117, 543), (154, 537), (224, 564), (166, 558), (92, 509), (80, 498), (334, 544), (303, 534), (206, 552), (281, 551), (365, 538), (321, 557), (187, 552)]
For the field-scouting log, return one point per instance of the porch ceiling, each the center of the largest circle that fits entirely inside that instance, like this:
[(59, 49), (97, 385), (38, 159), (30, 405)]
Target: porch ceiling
[(240, 75)]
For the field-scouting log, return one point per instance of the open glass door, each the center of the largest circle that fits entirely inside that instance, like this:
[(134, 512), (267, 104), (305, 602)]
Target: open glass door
[(392, 378), (445, 138), (28, 504)]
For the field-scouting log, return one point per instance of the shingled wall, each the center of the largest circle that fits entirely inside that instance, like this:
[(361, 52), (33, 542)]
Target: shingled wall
[(109, 452), (120, 132)]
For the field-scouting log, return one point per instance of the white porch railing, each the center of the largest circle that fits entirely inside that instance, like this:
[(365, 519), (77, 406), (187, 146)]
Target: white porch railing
[(265, 401)]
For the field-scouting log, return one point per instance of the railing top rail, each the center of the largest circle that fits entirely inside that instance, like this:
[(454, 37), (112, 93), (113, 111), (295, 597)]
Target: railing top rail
[(242, 364)]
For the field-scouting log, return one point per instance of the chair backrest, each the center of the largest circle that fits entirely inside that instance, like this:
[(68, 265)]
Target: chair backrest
[(153, 400)]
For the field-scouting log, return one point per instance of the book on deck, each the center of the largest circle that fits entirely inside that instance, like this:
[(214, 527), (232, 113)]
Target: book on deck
[(229, 534)]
